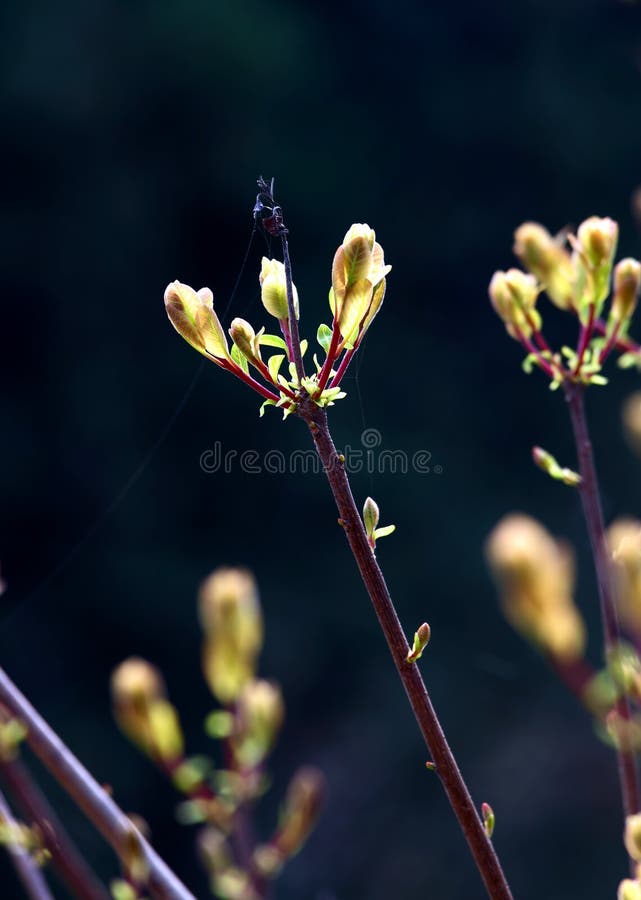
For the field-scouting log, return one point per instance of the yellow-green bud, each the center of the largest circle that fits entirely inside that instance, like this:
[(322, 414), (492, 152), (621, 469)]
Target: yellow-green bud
[(244, 336), (358, 281), (548, 261), (232, 621), (371, 515), (629, 890), (259, 715), (513, 295), (632, 836), (192, 315), (143, 711), (627, 281), (598, 239), (421, 640), (273, 289)]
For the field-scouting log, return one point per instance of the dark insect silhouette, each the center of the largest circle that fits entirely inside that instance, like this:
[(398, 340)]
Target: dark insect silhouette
[(266, 210)]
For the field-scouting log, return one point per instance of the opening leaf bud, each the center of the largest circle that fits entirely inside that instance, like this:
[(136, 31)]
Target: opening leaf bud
[(245, 338), (627, 281), (421, 640), (192, 315), (143, 712), (513, 295), (232, 621), (598, 239), (273, 289), (358, 282), (548, 261), (594, 249)]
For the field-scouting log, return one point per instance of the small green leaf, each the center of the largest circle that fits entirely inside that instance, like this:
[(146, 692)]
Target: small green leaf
[(272, 340), (239, 359), (263, 405), (274, 363), (383, 532), (324, 336), (304, 344)]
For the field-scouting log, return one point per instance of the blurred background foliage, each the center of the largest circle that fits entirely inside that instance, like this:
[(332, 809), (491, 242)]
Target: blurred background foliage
[(133, 133)]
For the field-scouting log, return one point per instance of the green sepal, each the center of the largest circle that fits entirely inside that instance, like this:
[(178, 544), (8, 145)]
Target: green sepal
[(324, 336)]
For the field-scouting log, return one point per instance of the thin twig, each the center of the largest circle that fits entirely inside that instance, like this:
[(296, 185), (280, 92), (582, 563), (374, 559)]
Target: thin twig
[(446, 767), (593, 513), (293, 321), (65, 856), (31, 877), (91, 798)]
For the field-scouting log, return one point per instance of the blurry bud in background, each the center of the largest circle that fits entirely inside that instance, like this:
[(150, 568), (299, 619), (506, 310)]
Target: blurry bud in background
[(632, 420), (535, 576), (260, 712), (632, 836), (629, 890), (232, 621), (298, 817), (548, 261), (513, 295), (624, 544), (143, 712), (627, 281)]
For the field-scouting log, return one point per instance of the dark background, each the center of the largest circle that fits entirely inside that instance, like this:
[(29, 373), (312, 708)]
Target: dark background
[(132, 135)]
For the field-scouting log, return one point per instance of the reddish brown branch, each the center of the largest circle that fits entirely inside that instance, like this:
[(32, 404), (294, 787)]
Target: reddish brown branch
[(442, 756)]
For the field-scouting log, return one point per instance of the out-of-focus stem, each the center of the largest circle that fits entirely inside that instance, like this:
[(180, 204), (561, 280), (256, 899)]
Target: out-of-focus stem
[(65, 856), (90, 797), (592, 511), (31, 877)]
